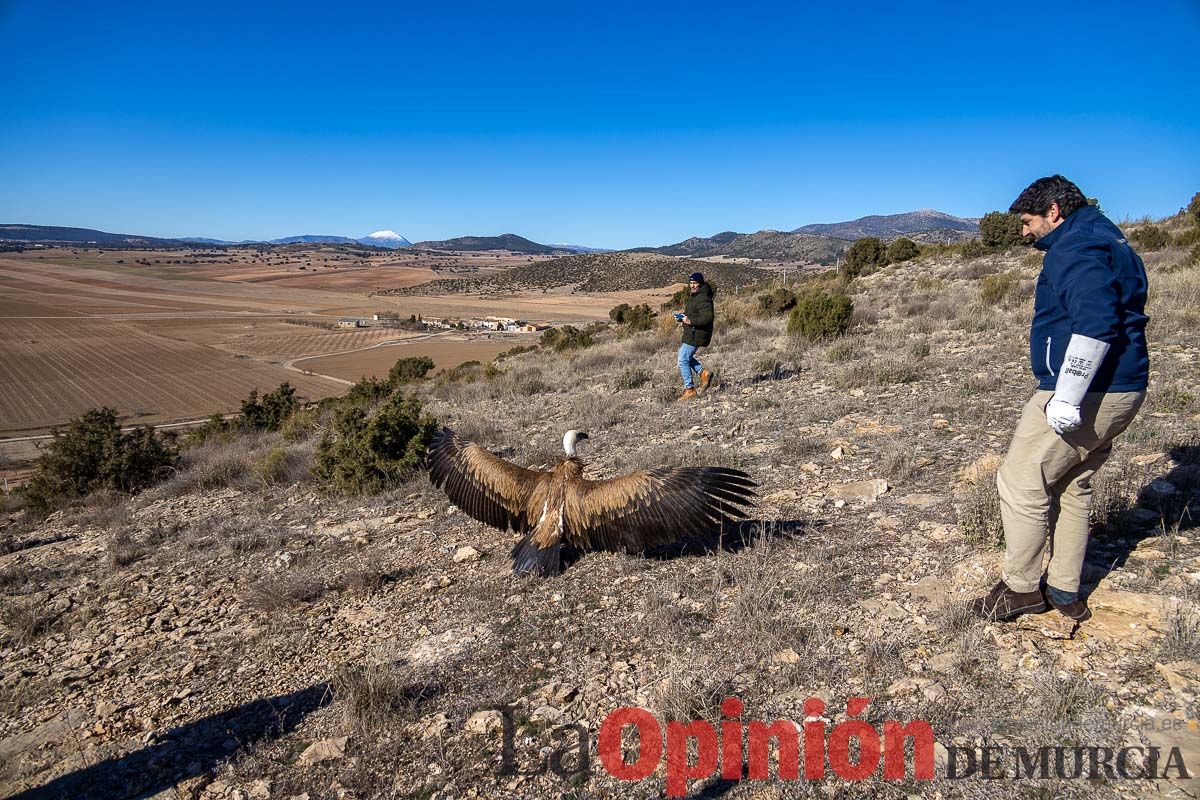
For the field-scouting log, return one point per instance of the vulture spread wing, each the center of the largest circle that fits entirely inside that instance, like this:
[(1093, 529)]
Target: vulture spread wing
[(487, 487), (654, 507)]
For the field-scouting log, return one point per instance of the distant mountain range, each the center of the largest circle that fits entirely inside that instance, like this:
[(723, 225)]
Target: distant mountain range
[(823, 243), (893, 226), (54, 234), (386, 239), (820, 243)]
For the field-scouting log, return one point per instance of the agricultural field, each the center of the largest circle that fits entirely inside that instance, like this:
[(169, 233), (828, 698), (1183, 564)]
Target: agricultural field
[(165, 336), (272, 340), (56, 369), (446, 352)]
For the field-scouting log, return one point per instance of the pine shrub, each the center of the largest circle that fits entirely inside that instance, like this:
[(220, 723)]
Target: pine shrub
[(820, 315)]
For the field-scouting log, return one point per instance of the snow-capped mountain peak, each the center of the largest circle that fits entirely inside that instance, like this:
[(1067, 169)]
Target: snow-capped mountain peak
[(385, 239)]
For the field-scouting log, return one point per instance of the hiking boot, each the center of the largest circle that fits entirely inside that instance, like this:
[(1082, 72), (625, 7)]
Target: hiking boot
[(1003, 604), (689, 394), (705, 379), (1076, 608)]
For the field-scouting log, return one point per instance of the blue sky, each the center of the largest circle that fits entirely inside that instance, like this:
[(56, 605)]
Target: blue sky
[(602, 123)]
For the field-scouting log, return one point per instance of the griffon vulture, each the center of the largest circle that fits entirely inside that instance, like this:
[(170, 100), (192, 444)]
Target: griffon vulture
[(561, 509)]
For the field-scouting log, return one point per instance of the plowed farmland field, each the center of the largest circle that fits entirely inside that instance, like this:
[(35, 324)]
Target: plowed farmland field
[(53, 369), (271, 340)]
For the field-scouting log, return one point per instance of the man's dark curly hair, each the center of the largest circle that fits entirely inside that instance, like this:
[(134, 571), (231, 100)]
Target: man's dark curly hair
[(1038, 196)]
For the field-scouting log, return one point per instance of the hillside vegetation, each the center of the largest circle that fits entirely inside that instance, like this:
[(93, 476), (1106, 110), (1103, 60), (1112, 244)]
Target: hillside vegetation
[(507, 241), (594, 272), (245, 629), (768, 245)]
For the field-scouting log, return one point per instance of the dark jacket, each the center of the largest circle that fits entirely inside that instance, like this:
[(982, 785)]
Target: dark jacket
[(1094, 284), (699, 310)]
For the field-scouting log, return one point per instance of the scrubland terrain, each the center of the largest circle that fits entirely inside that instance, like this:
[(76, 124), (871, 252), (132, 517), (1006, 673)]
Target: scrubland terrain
[(235, 632)]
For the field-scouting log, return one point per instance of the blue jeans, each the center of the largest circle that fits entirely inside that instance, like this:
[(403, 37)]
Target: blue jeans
[(688, 363)]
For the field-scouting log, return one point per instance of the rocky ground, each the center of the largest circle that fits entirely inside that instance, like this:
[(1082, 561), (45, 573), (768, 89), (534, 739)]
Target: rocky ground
[(235, 634)]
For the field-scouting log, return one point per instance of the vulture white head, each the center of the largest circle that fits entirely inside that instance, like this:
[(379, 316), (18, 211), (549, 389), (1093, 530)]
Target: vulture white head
[(570, 439)]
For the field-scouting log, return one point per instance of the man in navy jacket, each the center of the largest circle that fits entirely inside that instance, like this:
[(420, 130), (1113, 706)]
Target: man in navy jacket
[(1087, 347)]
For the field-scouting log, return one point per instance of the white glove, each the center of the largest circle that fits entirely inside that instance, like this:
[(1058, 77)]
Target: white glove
[(1062, 416), (1079, 367)]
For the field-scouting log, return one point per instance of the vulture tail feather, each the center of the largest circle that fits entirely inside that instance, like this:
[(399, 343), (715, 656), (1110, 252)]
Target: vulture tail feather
[(529, 559)]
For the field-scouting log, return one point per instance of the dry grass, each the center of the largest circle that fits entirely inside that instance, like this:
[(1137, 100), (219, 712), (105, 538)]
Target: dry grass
[(27, 620), (275, 592), (1181, 640), (376, 693), (978, 513)]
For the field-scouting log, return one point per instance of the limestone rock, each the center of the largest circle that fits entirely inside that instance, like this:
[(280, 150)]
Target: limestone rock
[(467, 553), (482, 723), (325, 750), (868, 490)]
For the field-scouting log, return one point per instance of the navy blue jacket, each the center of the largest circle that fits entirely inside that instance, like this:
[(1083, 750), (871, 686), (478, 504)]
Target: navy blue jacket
[(1094, 284)]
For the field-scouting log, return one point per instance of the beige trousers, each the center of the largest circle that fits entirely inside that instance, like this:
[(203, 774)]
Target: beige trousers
[(1046, 491)]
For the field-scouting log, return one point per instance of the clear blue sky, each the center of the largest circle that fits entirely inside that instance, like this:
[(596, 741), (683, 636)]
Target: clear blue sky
[(603, 123)]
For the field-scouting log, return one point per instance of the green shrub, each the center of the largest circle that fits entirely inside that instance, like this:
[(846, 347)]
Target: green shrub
[(1000, 230), (820, 316), (996, 289), (365, 452), (269, 413), (407, 370), (972, 248), (1194, 256), (1189, 237), (466, 372), (567, 337), (778, 301), (93, 454), (634, 318), (215, 427), (367, 391), (1151, 238), (902, 250), (864, 257), (1193, 208)]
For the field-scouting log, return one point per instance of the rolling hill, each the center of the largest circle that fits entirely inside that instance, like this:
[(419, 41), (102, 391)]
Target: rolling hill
[(54, 234), (767, 245), (505, 241), (594, 272), (893, 226)]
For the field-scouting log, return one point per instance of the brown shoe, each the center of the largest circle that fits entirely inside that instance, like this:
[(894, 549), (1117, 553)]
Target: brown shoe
[(689, 394), (1076, 609), (705, 379), (1003, 604)]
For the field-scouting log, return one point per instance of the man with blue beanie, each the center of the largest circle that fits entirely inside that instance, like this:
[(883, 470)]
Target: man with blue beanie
[(1087, 345), (697, 321)]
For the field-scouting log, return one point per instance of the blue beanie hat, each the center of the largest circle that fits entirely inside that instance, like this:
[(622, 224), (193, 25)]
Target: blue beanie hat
[(697, 277)]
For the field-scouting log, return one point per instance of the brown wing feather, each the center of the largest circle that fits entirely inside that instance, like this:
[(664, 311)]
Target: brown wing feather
[(482, 484), (654, 507)]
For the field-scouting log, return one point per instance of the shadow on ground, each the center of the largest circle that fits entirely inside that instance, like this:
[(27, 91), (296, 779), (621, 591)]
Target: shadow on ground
[(185, 752), (1166, 504)]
